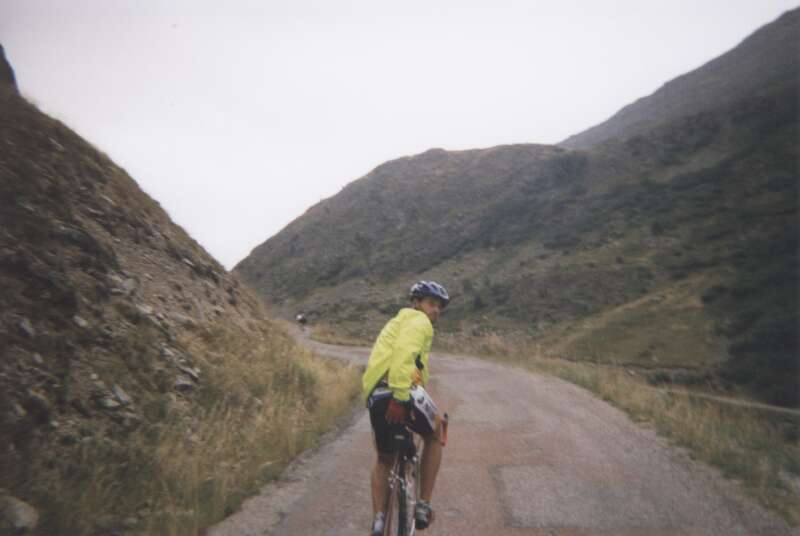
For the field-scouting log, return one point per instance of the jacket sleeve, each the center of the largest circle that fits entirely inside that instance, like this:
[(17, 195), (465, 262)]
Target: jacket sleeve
[(411, 342)]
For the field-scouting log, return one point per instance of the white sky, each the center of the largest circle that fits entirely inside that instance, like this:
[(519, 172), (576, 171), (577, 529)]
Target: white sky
[(238, 116)]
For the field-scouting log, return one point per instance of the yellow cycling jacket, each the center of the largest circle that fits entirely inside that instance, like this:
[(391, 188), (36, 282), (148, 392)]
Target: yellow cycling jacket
[(402, 340)]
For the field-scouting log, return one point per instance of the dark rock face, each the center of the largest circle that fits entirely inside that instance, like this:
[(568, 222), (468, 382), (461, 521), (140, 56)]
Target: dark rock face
[(7, 77)]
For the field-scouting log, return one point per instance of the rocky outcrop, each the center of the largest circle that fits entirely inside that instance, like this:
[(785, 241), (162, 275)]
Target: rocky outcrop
[(99, 288), (7, 78)]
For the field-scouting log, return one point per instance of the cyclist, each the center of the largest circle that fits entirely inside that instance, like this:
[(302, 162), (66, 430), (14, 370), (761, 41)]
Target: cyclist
[(399, 359)]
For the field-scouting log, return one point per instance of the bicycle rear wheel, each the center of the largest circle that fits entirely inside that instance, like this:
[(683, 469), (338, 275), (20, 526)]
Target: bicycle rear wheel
[(403, 491), (403, 526), (410, 494), (393, 515), (402, 499)]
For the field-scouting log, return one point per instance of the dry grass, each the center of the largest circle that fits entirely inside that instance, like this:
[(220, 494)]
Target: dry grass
[(263, 400), (758, 449), (263, 413)]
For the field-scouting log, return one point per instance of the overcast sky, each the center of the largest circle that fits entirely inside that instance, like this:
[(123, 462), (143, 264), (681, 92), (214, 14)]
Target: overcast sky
[(238, 116)]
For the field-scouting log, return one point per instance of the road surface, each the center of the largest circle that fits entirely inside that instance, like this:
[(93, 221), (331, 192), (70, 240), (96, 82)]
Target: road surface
[(527, 455)]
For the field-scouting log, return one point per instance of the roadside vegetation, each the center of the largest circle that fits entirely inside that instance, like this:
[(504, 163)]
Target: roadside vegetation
[(757, 447), (263, 400)]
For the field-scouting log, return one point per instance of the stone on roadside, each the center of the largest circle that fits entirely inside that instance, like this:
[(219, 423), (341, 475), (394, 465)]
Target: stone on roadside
[(18, 411), (80, 322), (107, 402), (18, 514), (183, 320), (183, 383), (121, 395), (122, 285), (27, 328), (193, 373), (128, 285)]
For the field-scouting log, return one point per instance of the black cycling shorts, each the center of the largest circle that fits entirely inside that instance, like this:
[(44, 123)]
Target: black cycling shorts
[(384, 432)]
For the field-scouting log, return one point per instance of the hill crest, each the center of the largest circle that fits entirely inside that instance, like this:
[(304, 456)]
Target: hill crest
[(677, 228), (765, 59)]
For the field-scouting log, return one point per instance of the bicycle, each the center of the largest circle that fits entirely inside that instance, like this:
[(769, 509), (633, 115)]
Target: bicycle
[(403, 486), (404, 483)]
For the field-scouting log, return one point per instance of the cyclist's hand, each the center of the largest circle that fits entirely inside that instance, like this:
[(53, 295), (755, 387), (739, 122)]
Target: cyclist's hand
[(396, 413)]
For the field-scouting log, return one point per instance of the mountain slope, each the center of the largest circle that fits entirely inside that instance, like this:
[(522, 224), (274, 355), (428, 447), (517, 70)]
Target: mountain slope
[(123, 345), (668, 248), (764, 62)]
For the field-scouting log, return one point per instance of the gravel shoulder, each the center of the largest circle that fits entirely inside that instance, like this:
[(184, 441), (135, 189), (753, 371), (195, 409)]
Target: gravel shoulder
[(527, 455)]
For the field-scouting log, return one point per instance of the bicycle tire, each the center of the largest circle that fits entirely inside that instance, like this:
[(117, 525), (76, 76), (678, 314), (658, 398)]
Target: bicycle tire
[(402, 499), (404, 488), (411, 494), (390, 507)]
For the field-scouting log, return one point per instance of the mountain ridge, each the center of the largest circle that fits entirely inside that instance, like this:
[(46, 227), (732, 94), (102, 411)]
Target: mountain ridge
[(692, 220), (714, 84)]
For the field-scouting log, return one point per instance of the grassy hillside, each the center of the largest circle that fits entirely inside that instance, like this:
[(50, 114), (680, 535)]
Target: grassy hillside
[(670, 248), (142, 388)]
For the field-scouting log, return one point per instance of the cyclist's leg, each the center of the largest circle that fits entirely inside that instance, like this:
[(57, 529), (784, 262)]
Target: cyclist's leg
[(429, 427), (431, 460), (380, 481), (384, 449)]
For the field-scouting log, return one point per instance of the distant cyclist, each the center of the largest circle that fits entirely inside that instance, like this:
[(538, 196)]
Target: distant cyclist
[(399, 359)]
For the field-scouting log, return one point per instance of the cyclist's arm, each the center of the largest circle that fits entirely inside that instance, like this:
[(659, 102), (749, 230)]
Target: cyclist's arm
[(412, 341)]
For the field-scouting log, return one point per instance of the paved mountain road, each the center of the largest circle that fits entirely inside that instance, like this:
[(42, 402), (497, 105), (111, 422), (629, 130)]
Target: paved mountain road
[(527, 455)]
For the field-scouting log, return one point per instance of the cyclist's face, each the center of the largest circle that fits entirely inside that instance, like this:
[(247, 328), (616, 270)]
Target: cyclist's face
[(431, 307)]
